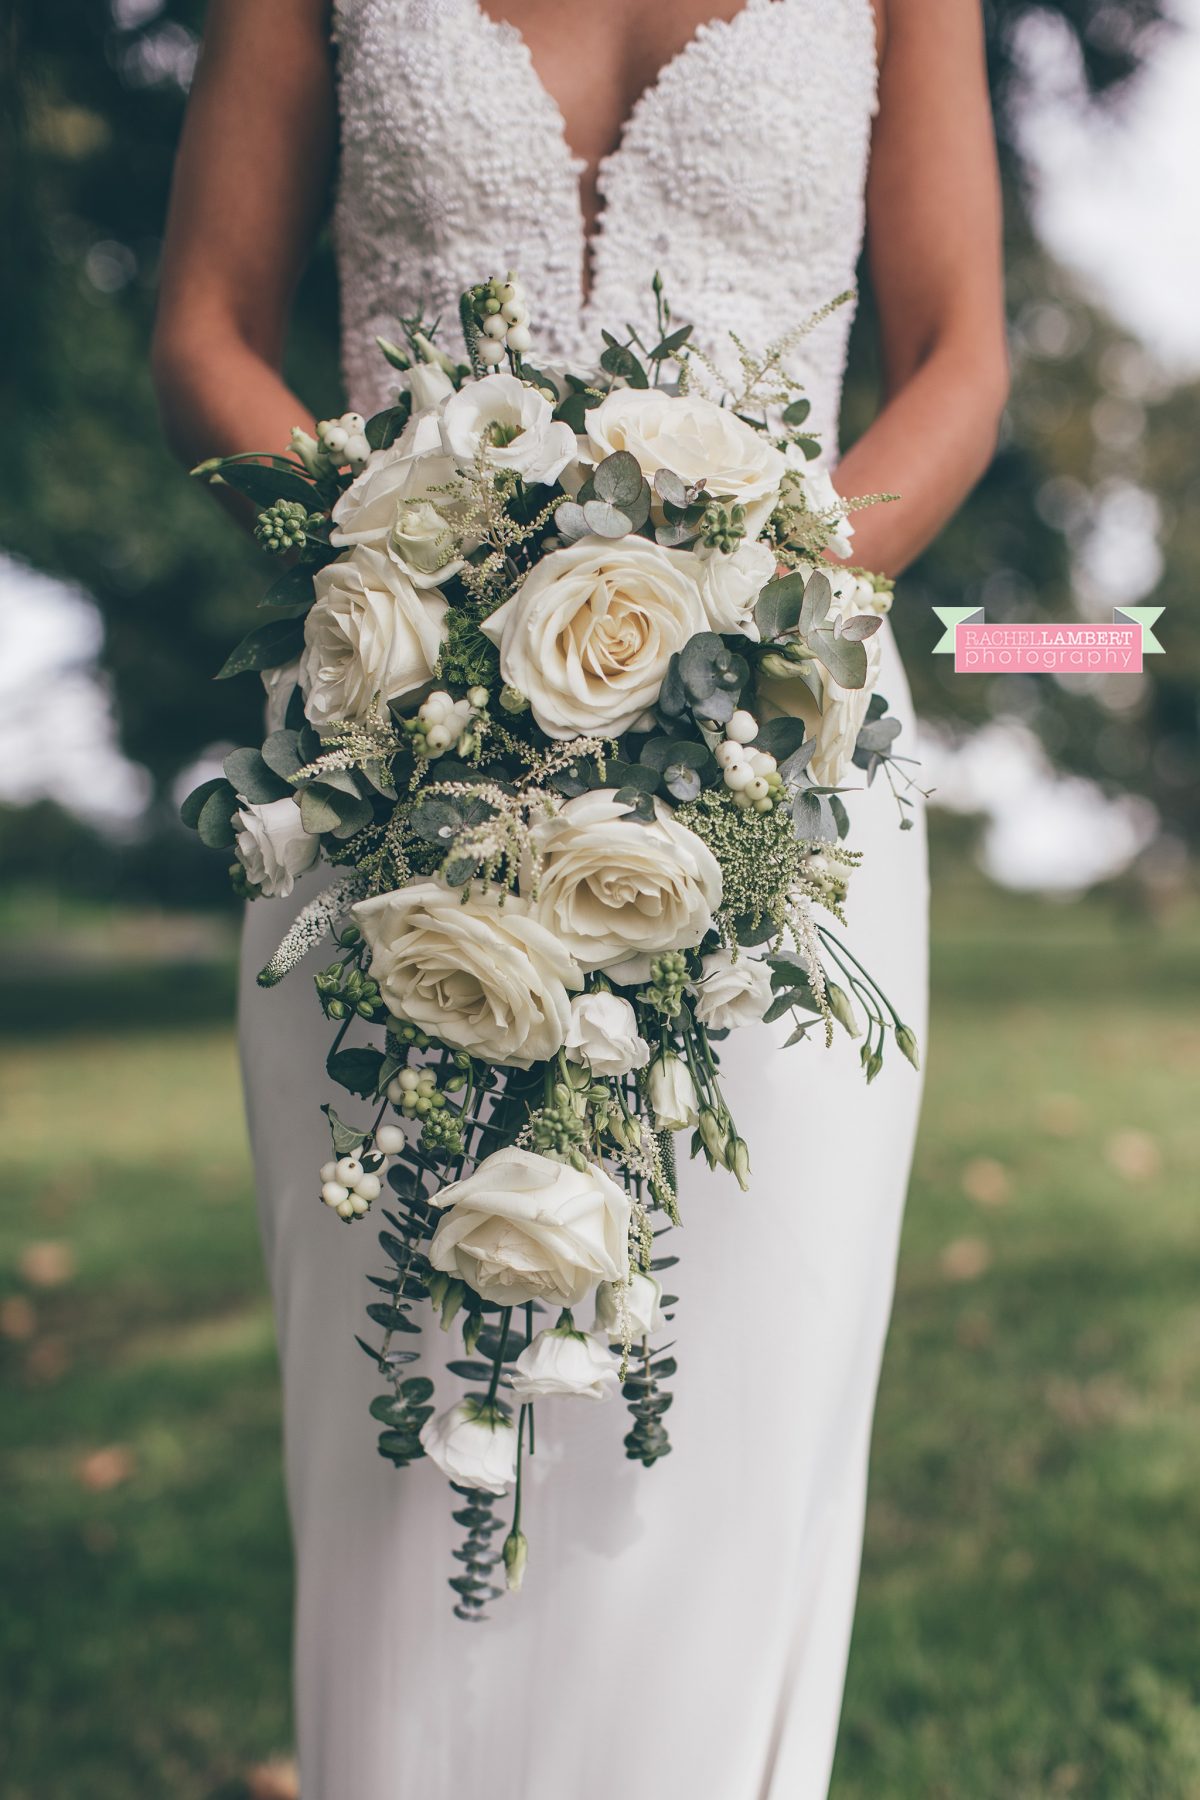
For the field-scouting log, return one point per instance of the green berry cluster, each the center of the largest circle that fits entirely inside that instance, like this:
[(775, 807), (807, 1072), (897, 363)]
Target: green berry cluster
[(559, 1128), (723, 527), (343, 989), (668, 979), (286, 525)]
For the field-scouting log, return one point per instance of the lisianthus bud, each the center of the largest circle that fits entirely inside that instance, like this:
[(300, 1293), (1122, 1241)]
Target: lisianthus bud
[(840, 1007), (738, 1160), (672, 1094), (712, 1134), (907, 1041), (516, 1555)]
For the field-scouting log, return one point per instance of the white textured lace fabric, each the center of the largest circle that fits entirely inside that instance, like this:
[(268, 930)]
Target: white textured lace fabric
[(739, 177), (682, 1631)]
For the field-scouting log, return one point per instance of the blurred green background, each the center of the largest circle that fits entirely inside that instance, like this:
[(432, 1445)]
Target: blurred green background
[(1032, 1573)]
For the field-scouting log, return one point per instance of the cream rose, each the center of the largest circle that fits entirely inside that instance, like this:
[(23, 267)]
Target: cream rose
[(369, 633), (610, 886), (603, 1034), (423, 541), (524, 1227), (589, 633), (732, 991), (730, 585), (483, 976), (513, 422), (639, 1299), (696, 439), (273, 846), (411, 469), (565, 1361), (474, 1444)]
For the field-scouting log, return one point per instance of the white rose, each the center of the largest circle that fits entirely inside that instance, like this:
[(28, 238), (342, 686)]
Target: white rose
[(732, 991), (673, 1098), (423, 541), (513, 422), (610, 886), (473, 1444), (565, 1361), (524, 1227), (370, 632), (603, 1034), (273, 846), (641, 1294), (696, 439), (480, 974), (589, 633), (814, 487), (730, 585), (413, 468)]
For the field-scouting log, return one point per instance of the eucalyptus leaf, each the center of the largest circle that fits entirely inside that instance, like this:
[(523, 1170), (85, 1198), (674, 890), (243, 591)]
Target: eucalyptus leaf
[(640, 776), (878, 735), (671, 489), (667, 346), (293, 589), (778, 607), (797, 412), (617, 360), (862, 625), (193, 806), (780, 738), (264, 484), (253, 779), (840, 815), (845, 659), (346, 1138), (606, 520), (215, 820), (281, 753), (618, 479), (814, 818), (569, 521), (818, 594)]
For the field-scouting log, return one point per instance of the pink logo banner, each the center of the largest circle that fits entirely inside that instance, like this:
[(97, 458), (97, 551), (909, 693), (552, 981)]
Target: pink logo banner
[(1080, 648)]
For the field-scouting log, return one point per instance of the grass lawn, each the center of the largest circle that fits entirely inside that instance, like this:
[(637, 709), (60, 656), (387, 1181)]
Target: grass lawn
[(1032, 1579)]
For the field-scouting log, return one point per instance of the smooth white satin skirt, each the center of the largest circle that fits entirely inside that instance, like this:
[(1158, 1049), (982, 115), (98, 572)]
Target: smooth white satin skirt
[(682, 1631)]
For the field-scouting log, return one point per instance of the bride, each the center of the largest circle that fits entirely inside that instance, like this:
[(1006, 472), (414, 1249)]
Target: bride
[(683, 1634)]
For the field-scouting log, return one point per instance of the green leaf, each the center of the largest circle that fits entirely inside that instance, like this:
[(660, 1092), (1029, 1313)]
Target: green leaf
[(617, 360), (638, 776), (383, 428), (356, 1069), (390, 1317), (797, 412), (193, 806), (845, 659), (671, 490), (862, 625), (325, 808), (779, 606), (215, 823), (569, 521), (877, 736), (808, 447), (674, 340), (346, 1138), (265, 484), (841, 817), (814, 818), (417, 1389), (266, 647), (817, 596), (281, 753), (780, 738), (252, 779), (293, 589), (618, 479), (606, 520)]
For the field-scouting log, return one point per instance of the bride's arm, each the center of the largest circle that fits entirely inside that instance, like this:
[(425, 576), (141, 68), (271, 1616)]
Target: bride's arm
[(249, 190), (933, 242)]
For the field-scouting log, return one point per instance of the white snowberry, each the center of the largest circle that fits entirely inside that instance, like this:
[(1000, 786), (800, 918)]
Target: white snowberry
[(495, 326), (328, 1171), (390, 1139), (334, 1194), (348, 1170), (762, 762), (490, 351), (520, 338), (368, 1188), (756, 788), (742, 727), (739, 776), (729, 754)]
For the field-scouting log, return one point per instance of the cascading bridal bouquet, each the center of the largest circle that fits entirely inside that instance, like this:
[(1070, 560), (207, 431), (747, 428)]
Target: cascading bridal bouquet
[(561, 686)]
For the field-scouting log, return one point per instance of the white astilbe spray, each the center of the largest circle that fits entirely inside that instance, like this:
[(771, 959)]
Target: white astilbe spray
[(311, 925)]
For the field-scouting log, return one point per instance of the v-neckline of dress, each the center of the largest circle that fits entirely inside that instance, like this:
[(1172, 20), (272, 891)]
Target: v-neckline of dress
[(591, 242)]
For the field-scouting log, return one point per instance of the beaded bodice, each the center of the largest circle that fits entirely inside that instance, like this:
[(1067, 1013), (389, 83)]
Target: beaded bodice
[(739, 176)]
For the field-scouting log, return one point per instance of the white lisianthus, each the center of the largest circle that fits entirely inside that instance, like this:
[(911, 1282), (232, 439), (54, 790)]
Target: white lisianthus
[(695, 439), (474, 1444), (369, 634), (423, 541), (730, 585), (672, 1093), (813, 486), (513, 423), (413, 468), (638, 1299), (565, 1361), (732, 991), (589, 633), (430, 387), (603, 1034), (481, 974), (279, 685), (525, 1227), (610, 886), (273, 846), (836, 720)]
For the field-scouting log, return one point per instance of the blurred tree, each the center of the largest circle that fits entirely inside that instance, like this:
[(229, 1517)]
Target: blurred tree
[(91, 102)]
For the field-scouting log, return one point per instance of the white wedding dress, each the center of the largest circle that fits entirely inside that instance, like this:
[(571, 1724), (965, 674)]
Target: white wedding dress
[(682, 1632)]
